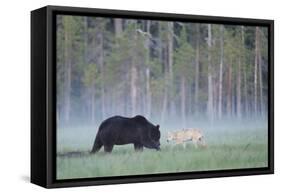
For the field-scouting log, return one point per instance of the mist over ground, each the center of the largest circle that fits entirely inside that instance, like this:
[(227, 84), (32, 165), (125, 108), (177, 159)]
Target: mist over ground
[(80, 136)]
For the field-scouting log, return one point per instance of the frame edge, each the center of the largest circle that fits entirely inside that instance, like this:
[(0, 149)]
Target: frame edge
[(38, 97)]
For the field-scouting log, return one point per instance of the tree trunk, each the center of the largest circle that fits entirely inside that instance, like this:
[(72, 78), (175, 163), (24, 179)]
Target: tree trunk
[(238, 88), (183, 101), (101, 63), (197, 55), (170, 67), (147, 72), (85, 40), (170, 49), (221, 72), (134, 89), (229, 89), (134, 75), (67, 77), (86, 63), (163, 60), (246, 105), (165, 102), (256, 74), (93, 103), (210, 84), (238, 108), (118, 27), (165, 96), (148, 93), (260, 73)]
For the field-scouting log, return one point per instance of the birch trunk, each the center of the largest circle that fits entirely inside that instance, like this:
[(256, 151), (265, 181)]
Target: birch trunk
[(163, 55), (93, 103), (67, 77), (238, 88), (183, 100), (260, 74), (256, 75), (118, 27), (197, 54), (238, 108), (229, 89), (170, 67), (165, 97), (134, 78), (210, 84), (147, 73), (246, 106), (221, 72), (133, 89), (246, 94), (101, 62)]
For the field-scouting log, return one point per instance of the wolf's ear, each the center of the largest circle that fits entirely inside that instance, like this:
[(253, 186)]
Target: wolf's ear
[(157, 127)]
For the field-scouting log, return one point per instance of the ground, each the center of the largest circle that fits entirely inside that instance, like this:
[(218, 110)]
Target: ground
[(226, 150)]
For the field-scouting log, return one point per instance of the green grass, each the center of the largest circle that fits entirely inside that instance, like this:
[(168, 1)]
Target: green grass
[(226, 150)]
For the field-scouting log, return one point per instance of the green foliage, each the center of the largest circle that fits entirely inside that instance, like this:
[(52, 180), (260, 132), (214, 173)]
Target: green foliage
[(90, 75), (184, 56), (232, 46)]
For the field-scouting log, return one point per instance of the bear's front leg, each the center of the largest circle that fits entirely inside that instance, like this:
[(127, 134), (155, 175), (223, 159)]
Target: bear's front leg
[(138, 147)]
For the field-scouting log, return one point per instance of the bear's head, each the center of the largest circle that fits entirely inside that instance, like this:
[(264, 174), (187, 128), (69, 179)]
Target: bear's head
[(155, 134)]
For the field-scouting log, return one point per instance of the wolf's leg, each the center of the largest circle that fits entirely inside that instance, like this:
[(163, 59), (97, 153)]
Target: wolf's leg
[(195, 142), (177, 142)]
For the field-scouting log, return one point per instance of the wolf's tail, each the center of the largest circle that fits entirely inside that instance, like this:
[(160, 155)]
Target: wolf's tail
[(97, 144)]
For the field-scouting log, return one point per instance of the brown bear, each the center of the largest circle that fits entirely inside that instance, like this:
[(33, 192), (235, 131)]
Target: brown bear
[(119, 130)]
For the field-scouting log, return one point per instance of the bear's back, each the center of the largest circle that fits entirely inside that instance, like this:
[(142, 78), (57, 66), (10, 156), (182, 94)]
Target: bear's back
[(121, 122)]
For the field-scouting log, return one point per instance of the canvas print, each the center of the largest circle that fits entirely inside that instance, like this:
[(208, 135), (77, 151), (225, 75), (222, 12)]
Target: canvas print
[(139, 97)]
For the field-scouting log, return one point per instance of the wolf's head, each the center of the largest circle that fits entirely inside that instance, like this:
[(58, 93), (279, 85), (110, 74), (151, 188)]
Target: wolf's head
[(170, 136)]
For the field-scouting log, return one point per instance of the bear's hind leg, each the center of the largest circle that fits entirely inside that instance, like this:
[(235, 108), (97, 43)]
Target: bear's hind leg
[(138, 147), (97, 145), (108, 148)]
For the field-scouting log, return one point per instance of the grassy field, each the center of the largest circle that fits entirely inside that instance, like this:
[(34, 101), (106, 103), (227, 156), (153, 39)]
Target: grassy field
[(226, 150)]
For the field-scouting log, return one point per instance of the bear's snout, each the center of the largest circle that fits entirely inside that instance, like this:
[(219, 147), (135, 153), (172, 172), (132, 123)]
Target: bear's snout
[(158, 146)]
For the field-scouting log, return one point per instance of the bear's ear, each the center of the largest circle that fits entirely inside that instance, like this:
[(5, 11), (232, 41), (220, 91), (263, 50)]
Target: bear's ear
[(157, 127)]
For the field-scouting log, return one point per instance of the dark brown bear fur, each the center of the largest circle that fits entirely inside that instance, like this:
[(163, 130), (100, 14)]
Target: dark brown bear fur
[(119, 130)]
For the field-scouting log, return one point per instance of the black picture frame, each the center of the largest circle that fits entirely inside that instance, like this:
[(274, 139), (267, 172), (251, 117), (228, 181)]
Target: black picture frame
[(43, 96)]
